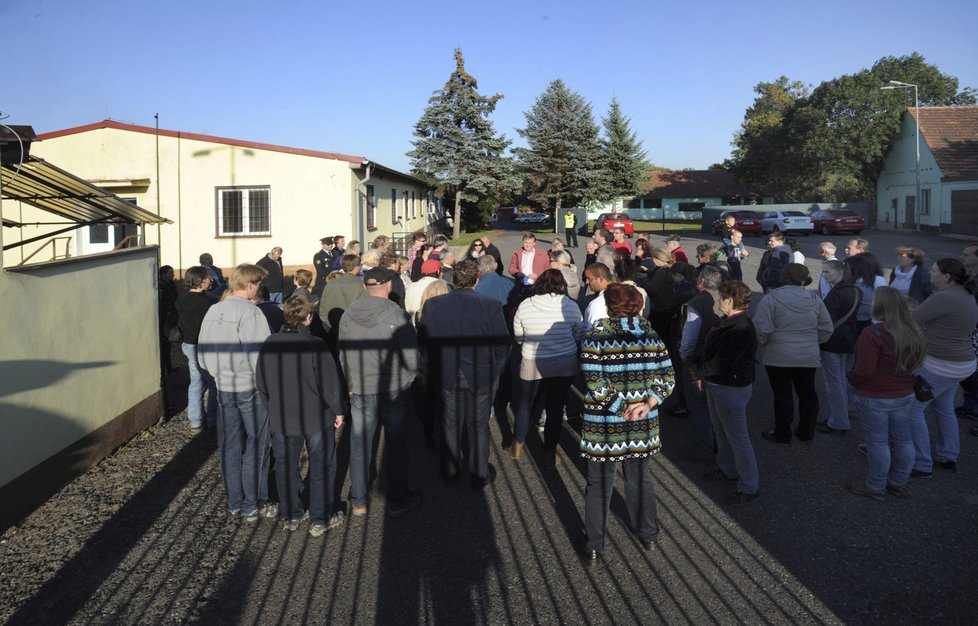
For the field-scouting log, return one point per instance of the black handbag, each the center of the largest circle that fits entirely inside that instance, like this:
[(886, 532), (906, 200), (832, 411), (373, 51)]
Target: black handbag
[(922, 389)]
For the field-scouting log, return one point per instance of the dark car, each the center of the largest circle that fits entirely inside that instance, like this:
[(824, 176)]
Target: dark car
[(832, 221), (747, 222), (611, 221)]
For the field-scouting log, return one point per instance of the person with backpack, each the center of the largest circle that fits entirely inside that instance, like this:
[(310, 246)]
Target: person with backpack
[(775, 258)]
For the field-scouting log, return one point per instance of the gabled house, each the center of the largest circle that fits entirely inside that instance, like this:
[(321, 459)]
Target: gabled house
[(948, 172), (682, 194), (236, 199)]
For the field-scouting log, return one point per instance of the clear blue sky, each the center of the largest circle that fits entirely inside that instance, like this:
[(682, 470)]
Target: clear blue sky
[(354, 77)]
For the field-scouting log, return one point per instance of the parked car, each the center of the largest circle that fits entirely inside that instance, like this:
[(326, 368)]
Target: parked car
[(532, 218), (611, 221), (831, 221), (747, 222), (784, 221)]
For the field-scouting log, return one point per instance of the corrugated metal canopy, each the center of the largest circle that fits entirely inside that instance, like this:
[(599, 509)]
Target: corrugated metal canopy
[(52, 189)]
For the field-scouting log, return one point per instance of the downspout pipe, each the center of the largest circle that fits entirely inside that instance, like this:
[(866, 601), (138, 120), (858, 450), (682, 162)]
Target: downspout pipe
[(362, 213)]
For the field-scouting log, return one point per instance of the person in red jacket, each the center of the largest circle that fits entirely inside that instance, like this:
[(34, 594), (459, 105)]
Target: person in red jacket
[(528, 262)]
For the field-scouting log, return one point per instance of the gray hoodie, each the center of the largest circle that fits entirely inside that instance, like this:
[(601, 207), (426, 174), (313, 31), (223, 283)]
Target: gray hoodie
[(791, 322), (230, 337), (378, 347)]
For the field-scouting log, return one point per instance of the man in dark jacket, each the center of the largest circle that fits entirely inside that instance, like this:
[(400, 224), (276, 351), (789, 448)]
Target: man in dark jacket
[(275, 278), (470, 344), (379, 352), (192, 307), (299, 384), (339, 294), (493, 251), (775, 257), (323, 262)]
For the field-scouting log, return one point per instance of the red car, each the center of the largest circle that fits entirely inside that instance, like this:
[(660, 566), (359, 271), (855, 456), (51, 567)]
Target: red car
[(832, 221), (611, 221), (747, 222)]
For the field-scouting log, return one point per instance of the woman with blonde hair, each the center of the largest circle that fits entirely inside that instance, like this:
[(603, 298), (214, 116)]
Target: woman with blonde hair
[(888, 354), (561, 260), (908, 276), (425, 385)]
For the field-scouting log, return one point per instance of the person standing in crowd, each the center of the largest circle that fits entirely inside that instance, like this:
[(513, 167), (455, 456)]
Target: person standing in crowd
[(322, 261), (969, 408), (826, 252), (379, 352), (725, 371), (948, 318), (447, 260), (842, 302), (339, 251), (218, 283), (620, 244), (675, 248), (476, 249), (856, 246), (562, 262), (601, 236), (700, 318), (528, 262), (192, 308), (796, 254), (866, 274), (469, 344), (597, 277), (736, 251), (299, 384), (168, 316), (791, 322), (430, 271), (570, 227), (338, 295), (418, 240), (628, 374), (381, 243), (908, 276), (493, 251), (557, 245), (491, 284), (275, 278), (590, 253), (775, 258), (301, 281), (230, 337), (272, 312), (888, 354), (390, 262), (548, 328)]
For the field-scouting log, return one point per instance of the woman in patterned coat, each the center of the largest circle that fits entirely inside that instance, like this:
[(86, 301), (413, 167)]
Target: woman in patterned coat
[(628, 374)]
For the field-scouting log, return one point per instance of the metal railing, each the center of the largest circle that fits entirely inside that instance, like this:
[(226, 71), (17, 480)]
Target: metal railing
[(54, 249)]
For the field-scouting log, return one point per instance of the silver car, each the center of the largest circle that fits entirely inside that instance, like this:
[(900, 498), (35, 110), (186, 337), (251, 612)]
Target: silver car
[(784, 221)]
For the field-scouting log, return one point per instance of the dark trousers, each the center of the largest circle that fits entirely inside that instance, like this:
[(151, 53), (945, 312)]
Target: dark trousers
[(639, 498), (802, 379), (554, 392), (322, 473), (704, 440), (571, 235), (465, 413)]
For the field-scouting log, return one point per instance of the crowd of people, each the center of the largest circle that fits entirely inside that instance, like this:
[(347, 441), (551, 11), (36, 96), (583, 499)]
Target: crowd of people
[(375, 339)]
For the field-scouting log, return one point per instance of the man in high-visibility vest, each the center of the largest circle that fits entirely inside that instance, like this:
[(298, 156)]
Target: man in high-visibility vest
[(570, 227)]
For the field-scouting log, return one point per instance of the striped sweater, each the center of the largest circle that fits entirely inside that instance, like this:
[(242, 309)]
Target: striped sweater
[(623, 362)]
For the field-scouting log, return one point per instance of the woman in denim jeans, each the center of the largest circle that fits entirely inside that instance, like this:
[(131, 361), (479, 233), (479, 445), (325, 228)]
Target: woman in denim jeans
[(191, 309), (888, 354)]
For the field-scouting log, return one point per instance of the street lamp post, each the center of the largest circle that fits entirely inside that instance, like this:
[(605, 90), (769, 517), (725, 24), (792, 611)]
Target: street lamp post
[(895, 84)]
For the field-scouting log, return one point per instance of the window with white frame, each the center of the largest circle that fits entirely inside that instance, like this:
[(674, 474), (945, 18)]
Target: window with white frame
[(243, 211), (925, 201), (393, 206)]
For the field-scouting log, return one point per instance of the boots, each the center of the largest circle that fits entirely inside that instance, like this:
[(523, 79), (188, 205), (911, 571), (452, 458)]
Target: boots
[(515, 449)]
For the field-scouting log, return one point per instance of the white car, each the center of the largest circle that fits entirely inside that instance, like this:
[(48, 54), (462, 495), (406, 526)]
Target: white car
[(783, 221), (533, 218)]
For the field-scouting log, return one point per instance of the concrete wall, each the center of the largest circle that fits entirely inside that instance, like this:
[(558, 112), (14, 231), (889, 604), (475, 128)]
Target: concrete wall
[(80, 355), (898, 181), (310, 196)]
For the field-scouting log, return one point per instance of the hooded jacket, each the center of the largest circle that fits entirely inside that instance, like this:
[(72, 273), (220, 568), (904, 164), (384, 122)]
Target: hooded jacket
[(791, 322), (378, 347)]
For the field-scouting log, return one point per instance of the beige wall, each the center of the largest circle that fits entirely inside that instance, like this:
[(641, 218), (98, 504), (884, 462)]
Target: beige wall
[(310, 197), (80, 347)]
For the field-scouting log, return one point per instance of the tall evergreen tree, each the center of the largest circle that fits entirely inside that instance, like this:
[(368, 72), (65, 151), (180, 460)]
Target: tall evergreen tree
[(623, 159), (562, 165), (456, 145)]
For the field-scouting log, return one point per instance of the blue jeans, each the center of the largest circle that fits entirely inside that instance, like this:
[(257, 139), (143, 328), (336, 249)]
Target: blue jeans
[(704, 440), (835, 366), (555, 392), (242, 435), (465, 411), (639, 499), (367, 412), (735, 454), (948, 443), (885, 423), (322, 473), (200, 381), (275, 296)]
